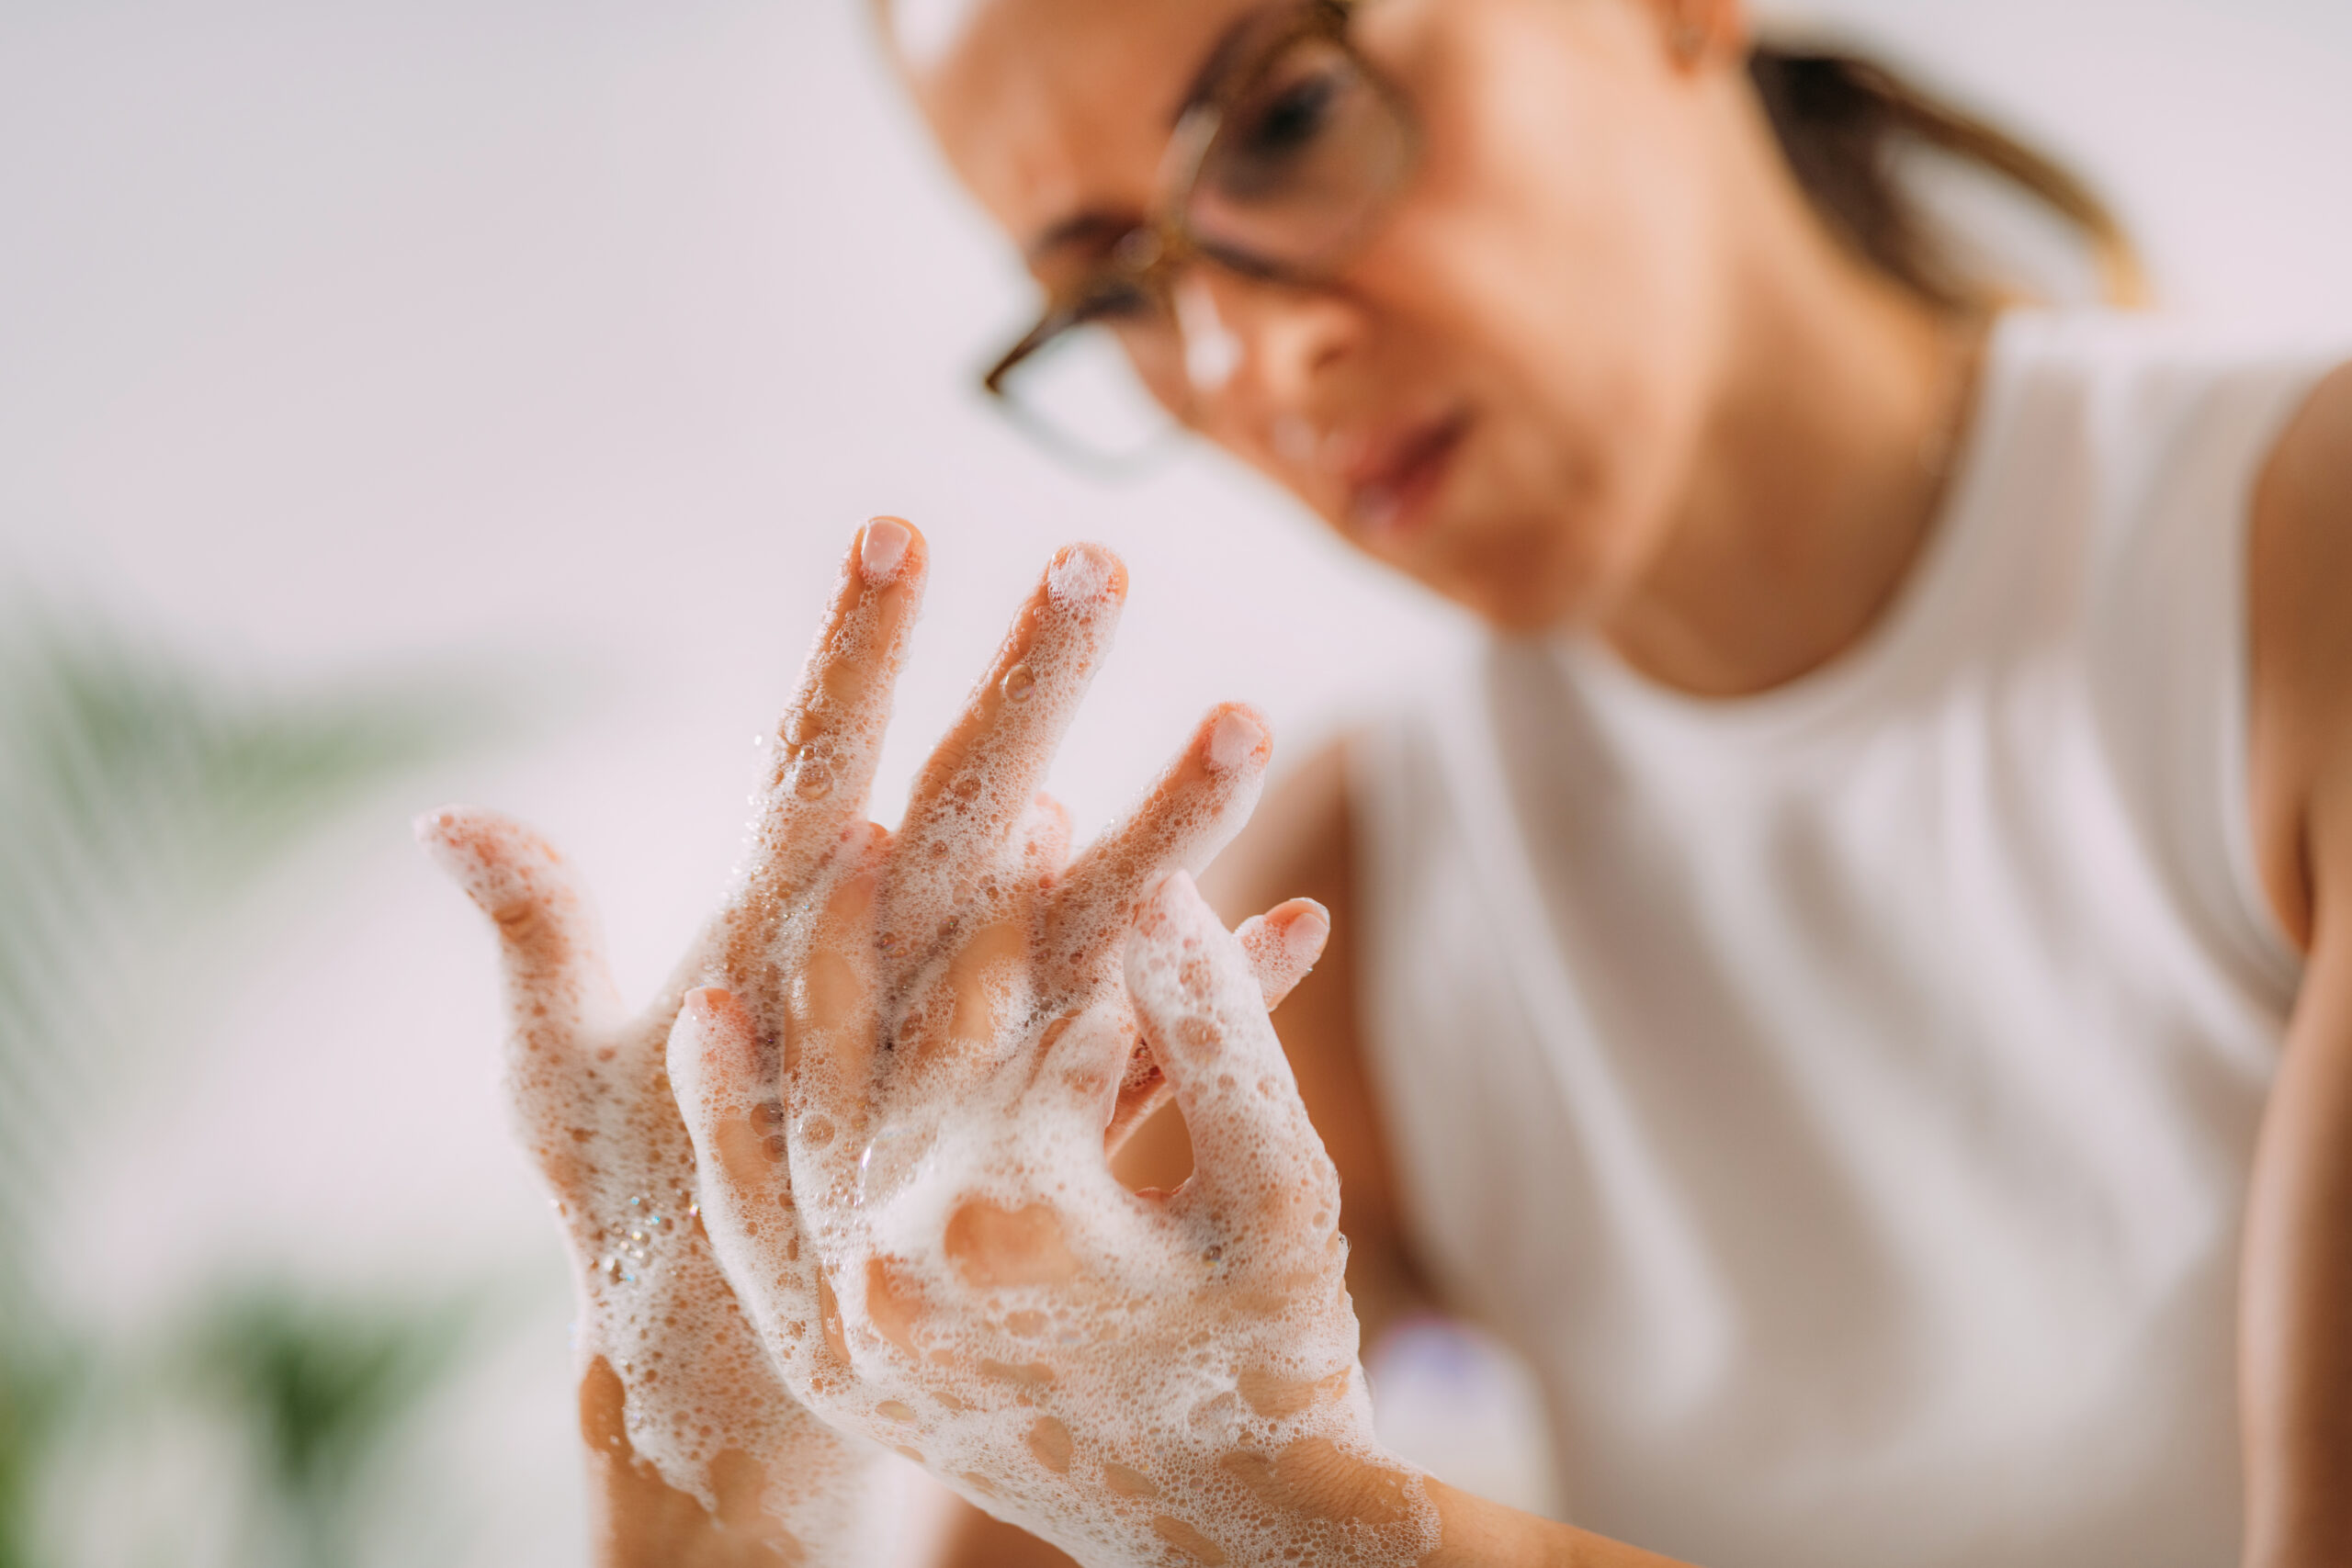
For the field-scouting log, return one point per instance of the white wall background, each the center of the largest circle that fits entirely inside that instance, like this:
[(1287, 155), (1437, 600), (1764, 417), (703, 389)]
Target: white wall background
[(569, 339)]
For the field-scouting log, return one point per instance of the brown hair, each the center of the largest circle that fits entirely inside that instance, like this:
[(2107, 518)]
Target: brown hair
[(1843, 122)]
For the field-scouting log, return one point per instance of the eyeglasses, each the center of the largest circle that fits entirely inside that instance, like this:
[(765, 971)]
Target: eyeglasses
[(1279, 171)]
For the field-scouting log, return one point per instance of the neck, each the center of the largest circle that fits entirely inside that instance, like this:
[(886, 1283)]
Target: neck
[(1818, 476)]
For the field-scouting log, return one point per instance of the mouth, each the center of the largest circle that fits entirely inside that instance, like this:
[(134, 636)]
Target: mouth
[(1393, 483)]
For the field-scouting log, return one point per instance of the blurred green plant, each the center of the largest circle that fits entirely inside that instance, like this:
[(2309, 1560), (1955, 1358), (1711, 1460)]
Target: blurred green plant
[(40, 1374), (138, 799), (326, 1389)]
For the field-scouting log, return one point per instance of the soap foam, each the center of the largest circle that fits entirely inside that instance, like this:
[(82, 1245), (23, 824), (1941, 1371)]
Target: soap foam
[(959, 863), (655, 1308), (1182, 1377), (589, 1100), (1080, 574), (1145, 1378)]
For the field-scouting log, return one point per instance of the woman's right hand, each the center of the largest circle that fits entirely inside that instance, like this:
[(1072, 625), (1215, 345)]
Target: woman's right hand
[(699, 1454)]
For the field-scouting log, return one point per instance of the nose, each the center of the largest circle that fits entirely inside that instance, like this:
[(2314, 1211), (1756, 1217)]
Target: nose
[(1252, 346)]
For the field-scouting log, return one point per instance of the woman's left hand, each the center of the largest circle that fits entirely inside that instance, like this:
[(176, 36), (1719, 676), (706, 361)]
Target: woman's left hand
[(699, 1457), (1129, 1375)]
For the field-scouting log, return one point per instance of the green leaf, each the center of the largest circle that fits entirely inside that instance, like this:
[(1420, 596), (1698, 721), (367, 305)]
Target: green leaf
[(139, 796)]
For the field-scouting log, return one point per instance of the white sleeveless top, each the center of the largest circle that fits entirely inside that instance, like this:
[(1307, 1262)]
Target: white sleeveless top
[(1845, 1096)]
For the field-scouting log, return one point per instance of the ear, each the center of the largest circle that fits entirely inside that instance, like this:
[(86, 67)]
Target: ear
[(1701, 33)]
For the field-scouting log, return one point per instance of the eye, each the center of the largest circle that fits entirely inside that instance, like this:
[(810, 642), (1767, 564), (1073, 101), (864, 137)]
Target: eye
[(1287, 135), (1288, 122), (1114, 301)]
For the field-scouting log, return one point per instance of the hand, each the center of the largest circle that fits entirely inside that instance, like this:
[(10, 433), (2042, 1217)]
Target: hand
[(702, 1454), (953, 1271)]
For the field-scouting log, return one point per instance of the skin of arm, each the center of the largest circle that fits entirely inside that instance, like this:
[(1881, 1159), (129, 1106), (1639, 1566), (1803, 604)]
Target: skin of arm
[(2295, 1354)]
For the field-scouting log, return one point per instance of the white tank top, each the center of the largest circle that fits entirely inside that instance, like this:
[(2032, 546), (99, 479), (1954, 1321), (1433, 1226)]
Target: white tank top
[(1845, 1096)]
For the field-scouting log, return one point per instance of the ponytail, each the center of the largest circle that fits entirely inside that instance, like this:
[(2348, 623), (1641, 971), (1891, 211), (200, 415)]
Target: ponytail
[(1841, 120)]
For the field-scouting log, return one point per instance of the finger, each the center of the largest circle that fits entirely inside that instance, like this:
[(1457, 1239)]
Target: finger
[(1084, 1054), (832, 1033), (1280, 948), (965, 807), (1144, 1092), (830, 736), (728, 1101), (986, 985), (721, 1070), (1200, 803), (1256, 1157), (557, 984), (1044, 841), (1283, 946)]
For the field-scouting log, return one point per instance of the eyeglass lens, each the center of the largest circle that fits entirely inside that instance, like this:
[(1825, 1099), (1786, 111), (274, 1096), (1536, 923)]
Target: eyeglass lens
[(1301, 163)]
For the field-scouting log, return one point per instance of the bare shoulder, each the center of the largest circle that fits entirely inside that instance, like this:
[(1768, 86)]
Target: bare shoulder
[(2301, 589)]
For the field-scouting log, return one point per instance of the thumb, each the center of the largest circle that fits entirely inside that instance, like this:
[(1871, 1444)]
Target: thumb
[(1282, 945), (549, 946), (726, 1094), (1255, 1154)]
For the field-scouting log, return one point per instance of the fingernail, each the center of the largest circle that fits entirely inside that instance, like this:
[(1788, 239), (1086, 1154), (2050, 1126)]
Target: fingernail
[(883, 547), (1234, 740), (1303, 936), (1082, 572)]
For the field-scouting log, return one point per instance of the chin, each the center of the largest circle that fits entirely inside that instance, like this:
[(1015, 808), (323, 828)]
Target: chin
[(1520, 579), (1516, 609)]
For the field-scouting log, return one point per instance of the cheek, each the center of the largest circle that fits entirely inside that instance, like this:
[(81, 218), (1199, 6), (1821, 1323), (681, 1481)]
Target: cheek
[(1566, 211), (1565, 300), (1568, 299), (1582, 431), (1581, 303)]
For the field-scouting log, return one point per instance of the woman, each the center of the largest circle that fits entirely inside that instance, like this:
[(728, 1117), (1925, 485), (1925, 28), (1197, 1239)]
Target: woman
[(1826, 987)]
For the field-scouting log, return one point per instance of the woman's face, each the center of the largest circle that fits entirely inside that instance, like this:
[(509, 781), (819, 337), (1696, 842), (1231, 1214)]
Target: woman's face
[(1499, 391)]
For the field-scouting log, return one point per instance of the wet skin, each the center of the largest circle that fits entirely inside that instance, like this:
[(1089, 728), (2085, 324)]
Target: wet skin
[(665, 1349)]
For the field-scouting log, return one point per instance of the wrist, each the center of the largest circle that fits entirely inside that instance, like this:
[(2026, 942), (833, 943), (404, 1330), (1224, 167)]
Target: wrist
[(1313, 1482), (1312, 1500), (784, 1488), (1482, 1534)]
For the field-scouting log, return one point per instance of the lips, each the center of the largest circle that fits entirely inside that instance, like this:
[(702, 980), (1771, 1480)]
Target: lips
[(1391, 478)]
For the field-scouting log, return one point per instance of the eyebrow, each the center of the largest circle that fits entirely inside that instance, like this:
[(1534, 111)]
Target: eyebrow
[(1219, 62), (1096, 224)]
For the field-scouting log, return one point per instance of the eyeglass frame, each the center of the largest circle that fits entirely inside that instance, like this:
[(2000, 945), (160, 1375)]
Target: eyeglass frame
[(1149, 257)]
